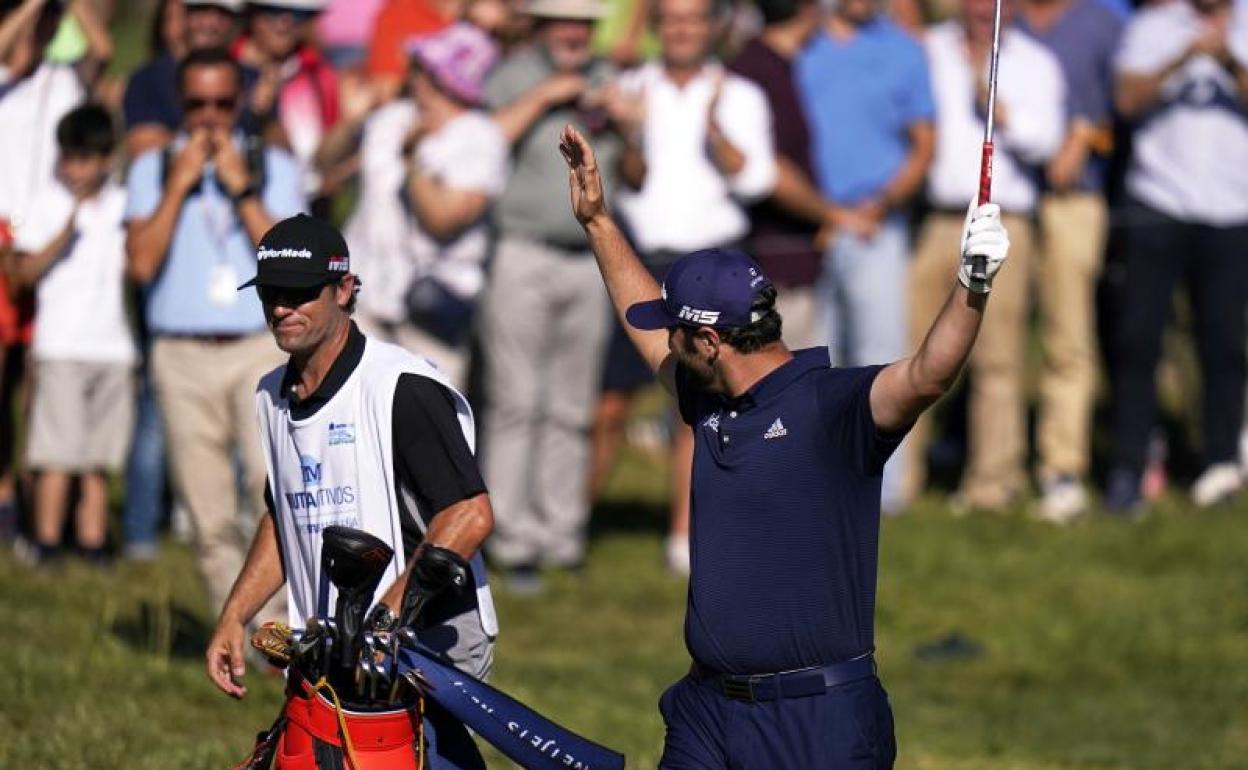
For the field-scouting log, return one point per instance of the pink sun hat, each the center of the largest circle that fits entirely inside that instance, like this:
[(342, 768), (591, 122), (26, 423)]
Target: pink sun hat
[(459, 58)]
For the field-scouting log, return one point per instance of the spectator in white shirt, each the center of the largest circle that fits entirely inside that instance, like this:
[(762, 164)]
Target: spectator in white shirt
[(1030, 123), (34, 95), (1183, 80), (706, 140), (71, 250)]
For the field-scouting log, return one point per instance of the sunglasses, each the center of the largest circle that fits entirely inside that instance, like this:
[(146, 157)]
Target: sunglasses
[(224, 104), (288, 297)]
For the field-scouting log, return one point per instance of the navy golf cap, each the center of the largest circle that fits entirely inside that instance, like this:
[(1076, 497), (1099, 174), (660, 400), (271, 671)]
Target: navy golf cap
[(299, 253), (712, 287)]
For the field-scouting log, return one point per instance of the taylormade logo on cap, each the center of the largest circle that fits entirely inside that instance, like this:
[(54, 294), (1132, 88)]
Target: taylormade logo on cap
[(286, 253)]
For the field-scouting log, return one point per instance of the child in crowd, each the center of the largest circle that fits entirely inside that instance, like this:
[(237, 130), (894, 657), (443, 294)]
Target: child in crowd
[(71, 252)]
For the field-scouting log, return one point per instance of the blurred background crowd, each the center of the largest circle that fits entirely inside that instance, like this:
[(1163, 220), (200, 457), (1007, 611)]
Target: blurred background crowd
[(837, 143)]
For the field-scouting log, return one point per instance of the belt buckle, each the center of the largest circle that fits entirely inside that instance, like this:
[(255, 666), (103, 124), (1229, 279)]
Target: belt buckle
[(739, 689)]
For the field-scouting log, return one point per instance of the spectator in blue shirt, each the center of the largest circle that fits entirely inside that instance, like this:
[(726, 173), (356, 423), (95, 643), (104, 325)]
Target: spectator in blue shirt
[(194, 217), (865, 85), (785, 505)]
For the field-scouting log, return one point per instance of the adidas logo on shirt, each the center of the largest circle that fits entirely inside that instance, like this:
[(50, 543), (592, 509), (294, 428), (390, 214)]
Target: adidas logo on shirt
[(776, 430)]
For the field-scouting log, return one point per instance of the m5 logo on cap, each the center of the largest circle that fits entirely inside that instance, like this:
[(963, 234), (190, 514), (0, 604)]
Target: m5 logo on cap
[(694, 315), (338, 264)]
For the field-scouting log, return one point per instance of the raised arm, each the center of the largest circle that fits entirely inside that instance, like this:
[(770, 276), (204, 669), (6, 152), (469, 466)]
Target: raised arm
[(628, 282), (907, 387)]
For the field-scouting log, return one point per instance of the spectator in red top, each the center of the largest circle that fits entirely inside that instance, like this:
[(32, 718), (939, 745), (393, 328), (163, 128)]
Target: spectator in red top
[(295, 98)]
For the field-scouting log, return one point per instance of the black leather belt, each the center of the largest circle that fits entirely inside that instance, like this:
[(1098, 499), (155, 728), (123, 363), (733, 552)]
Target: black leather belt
[(798, 683)]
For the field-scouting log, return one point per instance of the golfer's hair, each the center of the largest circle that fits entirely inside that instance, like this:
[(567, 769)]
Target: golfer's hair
[(86, 130), (759, 334), (355, 295), (208, 57)]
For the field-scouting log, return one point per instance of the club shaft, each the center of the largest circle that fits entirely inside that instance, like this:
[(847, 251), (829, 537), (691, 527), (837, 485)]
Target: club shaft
[(979, 265)]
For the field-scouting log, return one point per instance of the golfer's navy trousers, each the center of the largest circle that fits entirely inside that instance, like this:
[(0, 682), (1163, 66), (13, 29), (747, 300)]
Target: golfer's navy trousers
[(848, 727)]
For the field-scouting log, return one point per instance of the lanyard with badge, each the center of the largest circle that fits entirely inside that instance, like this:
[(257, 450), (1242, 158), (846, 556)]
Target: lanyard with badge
[(218, 216), (219, 219)]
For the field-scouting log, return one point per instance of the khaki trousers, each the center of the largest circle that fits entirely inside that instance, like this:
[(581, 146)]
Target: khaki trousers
[(1072, 246), (544, 329), (994, 472), (207, 395)]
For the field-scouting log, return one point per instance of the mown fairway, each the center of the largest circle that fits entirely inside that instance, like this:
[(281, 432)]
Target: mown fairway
[(1102, 645)]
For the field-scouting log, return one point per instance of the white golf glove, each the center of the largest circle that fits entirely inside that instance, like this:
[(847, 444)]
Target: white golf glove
[(983, 235)]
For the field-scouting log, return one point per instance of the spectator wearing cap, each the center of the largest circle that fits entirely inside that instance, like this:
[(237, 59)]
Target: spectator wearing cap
[(294, 101), (430, 165), (708, 152), (1030, 123), (1182, 80), (865, 84), (151, 107), (193, 223), (544, 315), (1073, 221)]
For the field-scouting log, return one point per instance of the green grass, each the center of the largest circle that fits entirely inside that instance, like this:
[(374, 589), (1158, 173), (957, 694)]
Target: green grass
[(1104, 645)]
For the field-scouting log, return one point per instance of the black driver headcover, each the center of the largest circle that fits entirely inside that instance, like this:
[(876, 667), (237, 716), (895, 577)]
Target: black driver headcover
[(437, 569), (355, 561)]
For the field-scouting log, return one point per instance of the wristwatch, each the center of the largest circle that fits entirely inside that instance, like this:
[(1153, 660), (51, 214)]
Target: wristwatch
[(248, 191), (381, 618)]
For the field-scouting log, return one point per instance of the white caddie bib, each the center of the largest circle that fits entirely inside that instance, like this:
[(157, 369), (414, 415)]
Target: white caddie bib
[(337, 467)]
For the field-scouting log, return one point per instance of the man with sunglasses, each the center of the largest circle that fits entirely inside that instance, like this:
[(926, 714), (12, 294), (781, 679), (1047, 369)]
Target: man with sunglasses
[(359, 433), (193, 222)]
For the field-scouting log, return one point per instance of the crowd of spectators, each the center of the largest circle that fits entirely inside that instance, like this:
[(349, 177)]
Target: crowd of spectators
[(839, 145)]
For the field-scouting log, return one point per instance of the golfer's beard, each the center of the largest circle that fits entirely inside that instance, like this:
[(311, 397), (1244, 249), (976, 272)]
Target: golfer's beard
[(700, 372)]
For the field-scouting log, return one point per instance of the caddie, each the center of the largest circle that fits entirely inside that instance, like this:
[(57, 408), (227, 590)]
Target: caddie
[(362, 434), (785, 509)]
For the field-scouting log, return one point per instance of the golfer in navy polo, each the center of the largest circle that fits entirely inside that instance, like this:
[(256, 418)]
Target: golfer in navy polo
[(786, 495)]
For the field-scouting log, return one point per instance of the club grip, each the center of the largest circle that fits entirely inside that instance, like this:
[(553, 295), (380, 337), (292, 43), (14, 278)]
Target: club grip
[(979, 265)]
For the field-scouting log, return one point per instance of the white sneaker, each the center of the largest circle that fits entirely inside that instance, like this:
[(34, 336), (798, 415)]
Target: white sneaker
[(1217, 484), (678, 554), (1064, 500)]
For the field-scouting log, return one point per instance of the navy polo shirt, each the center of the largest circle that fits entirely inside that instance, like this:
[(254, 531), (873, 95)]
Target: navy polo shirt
[(785, 526)]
